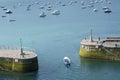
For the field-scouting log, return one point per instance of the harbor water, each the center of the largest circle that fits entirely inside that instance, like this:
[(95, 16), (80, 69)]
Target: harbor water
[(55, 36)]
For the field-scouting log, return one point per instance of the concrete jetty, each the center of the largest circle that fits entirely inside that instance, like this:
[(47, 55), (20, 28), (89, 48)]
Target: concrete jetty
[(11, 59), (107, 48)]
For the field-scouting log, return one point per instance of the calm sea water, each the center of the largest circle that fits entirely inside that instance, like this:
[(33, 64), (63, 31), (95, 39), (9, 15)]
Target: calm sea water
[(54, 37)]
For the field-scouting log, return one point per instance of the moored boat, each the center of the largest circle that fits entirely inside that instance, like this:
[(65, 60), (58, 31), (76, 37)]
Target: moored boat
[(55, 12), (8, 12), (107, 10), (42, 14)]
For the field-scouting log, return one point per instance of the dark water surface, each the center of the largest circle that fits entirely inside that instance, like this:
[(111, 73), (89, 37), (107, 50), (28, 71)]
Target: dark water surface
[(56, 36)]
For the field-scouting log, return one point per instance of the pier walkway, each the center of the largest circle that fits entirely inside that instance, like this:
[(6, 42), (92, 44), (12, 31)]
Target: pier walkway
[(14, 52)]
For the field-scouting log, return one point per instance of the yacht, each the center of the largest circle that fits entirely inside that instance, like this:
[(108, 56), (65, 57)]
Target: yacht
[(55, 12)]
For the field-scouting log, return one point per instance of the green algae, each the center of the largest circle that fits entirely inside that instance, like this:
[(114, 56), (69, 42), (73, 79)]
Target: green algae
[(99, 54)]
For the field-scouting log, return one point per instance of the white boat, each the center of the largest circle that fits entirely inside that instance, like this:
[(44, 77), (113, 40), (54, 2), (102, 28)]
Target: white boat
[(83, 7), (55, 12), (105, 7), (82, 2), (96, 1), (90, 6), (70, 3), (107, 10), (3, 16), (8, 12), (41, 7), (95, 10), (4, 8), (67, 61), (49, 9), (63, 4), (42, 14), (109, 2)]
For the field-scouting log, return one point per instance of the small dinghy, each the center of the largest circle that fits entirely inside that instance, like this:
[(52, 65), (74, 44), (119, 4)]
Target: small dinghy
[(66, 61)]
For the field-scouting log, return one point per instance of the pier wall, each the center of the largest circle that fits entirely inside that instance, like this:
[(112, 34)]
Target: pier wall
[(19, 65), (108, 54)]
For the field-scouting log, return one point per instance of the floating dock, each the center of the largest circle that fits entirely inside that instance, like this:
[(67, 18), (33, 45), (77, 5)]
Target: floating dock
[(18, 59)]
